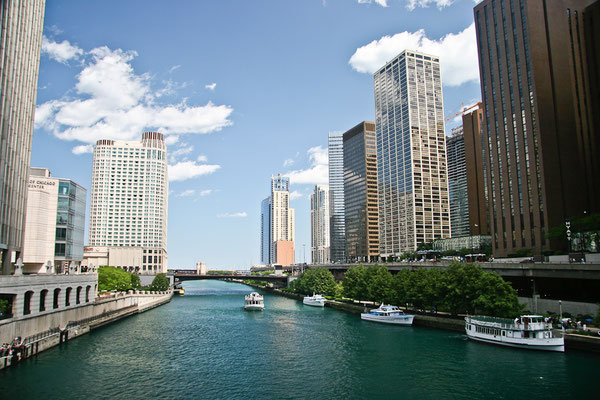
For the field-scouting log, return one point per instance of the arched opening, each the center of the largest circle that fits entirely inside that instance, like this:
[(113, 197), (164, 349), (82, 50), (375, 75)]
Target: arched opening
[(68, 297), (43, 295), (56, 296), (27, 302), (87, 293), (78, 295)]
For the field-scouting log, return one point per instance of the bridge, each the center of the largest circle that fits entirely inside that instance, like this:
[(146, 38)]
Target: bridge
[(280, 280)]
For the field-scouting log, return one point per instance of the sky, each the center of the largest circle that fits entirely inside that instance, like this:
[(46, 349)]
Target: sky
[(242, 90)]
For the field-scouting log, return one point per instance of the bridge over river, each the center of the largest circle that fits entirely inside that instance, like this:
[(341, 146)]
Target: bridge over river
[(180, 276)]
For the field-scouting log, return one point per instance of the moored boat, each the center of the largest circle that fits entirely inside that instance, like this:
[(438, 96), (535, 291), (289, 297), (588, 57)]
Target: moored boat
[(315, 300), (526, 332), (254, 301), (388, 314)]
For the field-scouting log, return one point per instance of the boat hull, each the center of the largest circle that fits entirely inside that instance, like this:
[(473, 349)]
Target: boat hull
[(406, 320), (314, 303), (254, 307), (554, 344)]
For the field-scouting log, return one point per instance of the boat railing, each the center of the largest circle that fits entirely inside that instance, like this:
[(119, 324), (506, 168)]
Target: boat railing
[(536, 326)]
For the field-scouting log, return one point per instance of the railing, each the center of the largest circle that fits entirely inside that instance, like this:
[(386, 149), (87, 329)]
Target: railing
[(492, 322)]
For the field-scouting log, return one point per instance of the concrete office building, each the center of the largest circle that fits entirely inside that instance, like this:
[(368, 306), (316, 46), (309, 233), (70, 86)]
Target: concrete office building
[(277, 223), (21, 25), (538, 75), (55, 223), (411, 153), (337, 227), (360, 193), (457, 183), (319, 225), (129, 202)]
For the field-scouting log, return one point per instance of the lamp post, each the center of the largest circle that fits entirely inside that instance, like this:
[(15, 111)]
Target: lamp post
[(568, 226), (560, 310)]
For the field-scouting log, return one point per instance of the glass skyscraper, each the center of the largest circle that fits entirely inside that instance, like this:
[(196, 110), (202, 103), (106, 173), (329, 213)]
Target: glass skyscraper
[(457, 183), (337, 230), (411, 153)]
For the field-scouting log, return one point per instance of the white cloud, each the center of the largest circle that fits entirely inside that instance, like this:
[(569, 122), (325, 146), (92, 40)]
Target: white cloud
[(289, 162), (114, 102), (212, 86), (174, 67), (457, 52), (205, 192), (296, 195), (189, 169), (412, 4), (202, 158), (233, 215), (382, 3), (171, 140), (318, 172), (83, 149), (61, 52), (186, 193), (182, 151)]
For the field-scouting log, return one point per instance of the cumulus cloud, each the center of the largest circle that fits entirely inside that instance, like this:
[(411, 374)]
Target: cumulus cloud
[(382, 3), (457, 52), (83, 149), (318, 172), (174, 67), (112, 101), (296, 195), (182, 151), (202, 158), (412, 4), (289, 162), (186, 193), (171, 140), (233, 215), (185, 170), (61, 52), (211, 86), (205, 192)]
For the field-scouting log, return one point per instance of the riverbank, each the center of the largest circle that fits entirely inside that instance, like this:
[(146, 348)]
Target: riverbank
[(573, 341), (41, 332)]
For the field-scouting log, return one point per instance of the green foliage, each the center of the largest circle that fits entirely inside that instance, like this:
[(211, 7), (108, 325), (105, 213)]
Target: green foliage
[(425, 246), (450, 253), (521, 253), (5, 307), (355, 283), (317, 280), (135, 281), (379, 284), (160, 283), (111, 278)]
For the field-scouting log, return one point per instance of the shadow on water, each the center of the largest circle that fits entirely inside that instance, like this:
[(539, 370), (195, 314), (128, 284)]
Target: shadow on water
[(205, 346)]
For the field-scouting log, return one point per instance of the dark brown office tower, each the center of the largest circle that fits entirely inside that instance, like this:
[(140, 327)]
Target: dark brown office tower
[(539, 137), (360, 193), (478, 219)]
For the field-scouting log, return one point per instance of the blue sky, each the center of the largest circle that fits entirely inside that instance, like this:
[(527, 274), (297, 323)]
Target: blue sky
[(242, 90)]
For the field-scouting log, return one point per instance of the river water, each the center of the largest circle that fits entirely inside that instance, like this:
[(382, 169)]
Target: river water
[(205, 346)]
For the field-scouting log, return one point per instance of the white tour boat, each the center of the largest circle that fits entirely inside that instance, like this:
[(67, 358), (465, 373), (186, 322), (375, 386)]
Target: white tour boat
[(316, 300), (388, 314), (527, 332), (254, 301)]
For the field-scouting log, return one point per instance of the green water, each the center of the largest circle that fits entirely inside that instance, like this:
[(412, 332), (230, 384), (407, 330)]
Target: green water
[(205, 346)]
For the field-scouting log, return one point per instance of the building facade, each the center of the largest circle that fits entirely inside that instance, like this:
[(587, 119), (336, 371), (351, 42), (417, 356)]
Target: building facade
[(55, 223), (540, 138), (265, 231), (337, 233), (360, 193), (21, 25), (457, 183), (319, 225), (277, 221), (411, 153), (129, 200)]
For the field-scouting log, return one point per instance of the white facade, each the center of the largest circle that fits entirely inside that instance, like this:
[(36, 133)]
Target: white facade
[(319, 225), (282, 217), (201, 268), (129, 200), (411, 153)]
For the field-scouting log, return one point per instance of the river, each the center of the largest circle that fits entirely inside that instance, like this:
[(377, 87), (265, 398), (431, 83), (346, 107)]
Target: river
[(205, 346)]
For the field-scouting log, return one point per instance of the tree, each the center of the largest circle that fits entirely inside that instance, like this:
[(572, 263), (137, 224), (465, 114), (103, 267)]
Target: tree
[(497, 297), (355, 283), (461, 283), (317, 280), (379, 284), (111, 278), (135, 281), (160, 283), (400, 286)]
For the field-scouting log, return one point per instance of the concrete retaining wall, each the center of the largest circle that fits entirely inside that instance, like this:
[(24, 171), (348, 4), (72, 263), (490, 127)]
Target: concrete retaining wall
[(541, 306)]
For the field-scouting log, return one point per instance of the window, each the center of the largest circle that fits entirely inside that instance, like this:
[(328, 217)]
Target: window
[(68, 297), (78, 295), (56, 298), (43, 295), (27, 302)]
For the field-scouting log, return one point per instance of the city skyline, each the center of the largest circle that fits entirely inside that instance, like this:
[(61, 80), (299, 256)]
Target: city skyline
[(172, 89)]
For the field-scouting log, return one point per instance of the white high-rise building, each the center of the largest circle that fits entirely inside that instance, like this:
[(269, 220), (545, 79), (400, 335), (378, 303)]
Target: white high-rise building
[(411, 153), (319, 225), (277, 224), (129, 200)]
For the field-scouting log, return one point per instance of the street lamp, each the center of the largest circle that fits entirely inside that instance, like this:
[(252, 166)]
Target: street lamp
[(560, 310)]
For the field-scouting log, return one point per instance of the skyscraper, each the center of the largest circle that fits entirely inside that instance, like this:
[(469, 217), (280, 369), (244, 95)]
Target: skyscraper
[(319, 225), (457, 183), (360, 193), (277, 224), (129, 202), (336, 196), (540, 139), (411, 153), (21, 25)]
